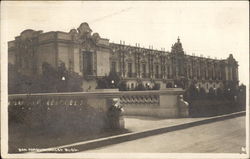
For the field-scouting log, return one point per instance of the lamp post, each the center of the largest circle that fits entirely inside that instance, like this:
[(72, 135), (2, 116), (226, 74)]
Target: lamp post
[(64, 86), (148, 85), (112, 83)]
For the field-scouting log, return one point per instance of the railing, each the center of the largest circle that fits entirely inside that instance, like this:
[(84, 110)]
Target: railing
[(138, 100), (79, 99)]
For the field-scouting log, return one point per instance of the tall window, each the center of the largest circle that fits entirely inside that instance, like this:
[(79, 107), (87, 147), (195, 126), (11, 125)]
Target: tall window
[(163, 70), (157, 71), (89, 63), (129, 69), (168, 71), (113, 66), (143, 70)]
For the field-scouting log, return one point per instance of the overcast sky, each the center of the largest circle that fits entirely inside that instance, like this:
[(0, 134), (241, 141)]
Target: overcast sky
[(214, 29)]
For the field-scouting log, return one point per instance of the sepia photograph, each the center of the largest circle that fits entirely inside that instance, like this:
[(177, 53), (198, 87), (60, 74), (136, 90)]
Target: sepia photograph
[(125, 79)]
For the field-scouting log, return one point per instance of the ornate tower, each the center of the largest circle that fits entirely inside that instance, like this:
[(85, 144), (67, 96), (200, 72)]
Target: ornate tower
[(177, 48), (178, 63), (178, 54)]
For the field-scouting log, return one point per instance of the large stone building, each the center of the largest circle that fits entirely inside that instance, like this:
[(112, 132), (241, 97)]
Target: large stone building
[(93, 57)]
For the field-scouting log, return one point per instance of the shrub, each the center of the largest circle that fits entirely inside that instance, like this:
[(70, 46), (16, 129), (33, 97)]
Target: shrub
[(156, 86), (102, 83), (110, 81), (122, 86)]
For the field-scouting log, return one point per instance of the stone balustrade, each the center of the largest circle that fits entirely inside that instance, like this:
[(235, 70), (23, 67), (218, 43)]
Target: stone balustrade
[(137, 100), (61, 111), (60, 99), (66, 106), (165, 103)]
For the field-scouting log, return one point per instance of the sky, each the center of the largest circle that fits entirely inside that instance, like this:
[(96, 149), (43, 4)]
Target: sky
[(214, 29)]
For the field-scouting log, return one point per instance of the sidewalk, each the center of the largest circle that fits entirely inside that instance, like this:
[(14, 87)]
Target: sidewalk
[(136, 123), (140, 127)]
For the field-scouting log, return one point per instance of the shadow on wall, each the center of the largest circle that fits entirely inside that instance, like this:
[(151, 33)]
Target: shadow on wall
[(206, 108), (202, 104)]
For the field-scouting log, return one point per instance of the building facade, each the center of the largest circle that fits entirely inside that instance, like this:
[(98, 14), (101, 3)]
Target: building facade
[(93, 57)]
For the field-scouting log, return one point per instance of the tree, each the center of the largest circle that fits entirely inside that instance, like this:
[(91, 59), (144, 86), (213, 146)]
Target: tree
[(192, 92), (211, 93), (110, 81), (219, 94), (49, 78), (156, 86), (122, 86), (102, 83), (202, 93), (20, 83), (68, 81), (50, 81), (113, 80)]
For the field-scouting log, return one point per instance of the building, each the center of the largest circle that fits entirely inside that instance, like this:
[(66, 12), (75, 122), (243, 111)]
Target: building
[(93, 57)]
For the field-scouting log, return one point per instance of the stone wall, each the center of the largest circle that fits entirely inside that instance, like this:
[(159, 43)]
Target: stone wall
[(103, 67), (64, 54), (46, 53)]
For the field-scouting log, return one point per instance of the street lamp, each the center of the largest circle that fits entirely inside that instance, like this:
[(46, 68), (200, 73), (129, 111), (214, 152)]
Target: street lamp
[(112, 83), (63, 84)]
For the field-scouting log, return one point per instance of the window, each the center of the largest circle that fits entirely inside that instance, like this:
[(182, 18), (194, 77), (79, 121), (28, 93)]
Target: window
[(168, 72), (89, 63), (163, 71), (157, 71), (143, 70), (113, 66), (129, 69)]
